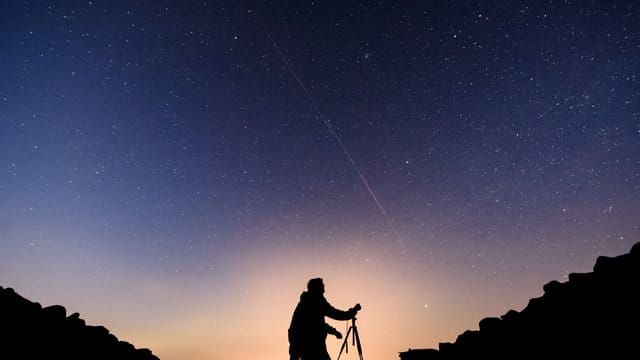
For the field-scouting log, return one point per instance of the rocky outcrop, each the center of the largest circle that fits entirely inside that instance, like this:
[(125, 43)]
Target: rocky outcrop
[(595, 314), (30, 331)]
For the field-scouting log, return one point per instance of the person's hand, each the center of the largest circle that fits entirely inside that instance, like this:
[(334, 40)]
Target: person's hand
[(338, 334)]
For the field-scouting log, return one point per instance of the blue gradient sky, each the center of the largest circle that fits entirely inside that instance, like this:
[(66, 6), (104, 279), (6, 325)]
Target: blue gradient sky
[(163, 174)]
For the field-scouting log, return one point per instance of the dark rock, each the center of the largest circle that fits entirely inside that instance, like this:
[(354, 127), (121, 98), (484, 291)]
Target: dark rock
[(97, 331), (55, 312), (534, 305), (74, 320), (490, 324), (29, 331), (420, 352), (592, 315), (511, 315), (468, 338), (579, 278), (125, 346), (552, 287), (603, 264), (144, 353)]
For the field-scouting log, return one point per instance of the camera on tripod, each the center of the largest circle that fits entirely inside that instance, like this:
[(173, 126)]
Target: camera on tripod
[(355, 337)]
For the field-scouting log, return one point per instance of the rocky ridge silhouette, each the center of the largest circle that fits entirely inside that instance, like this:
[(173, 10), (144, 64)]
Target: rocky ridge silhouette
[(30, 331), (593, 314)]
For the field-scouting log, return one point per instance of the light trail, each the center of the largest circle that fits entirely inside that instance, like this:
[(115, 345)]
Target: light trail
[(334, 133)]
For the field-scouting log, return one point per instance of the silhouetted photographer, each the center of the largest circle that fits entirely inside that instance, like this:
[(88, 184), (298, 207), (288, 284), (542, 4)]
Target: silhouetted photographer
[(308, 330)]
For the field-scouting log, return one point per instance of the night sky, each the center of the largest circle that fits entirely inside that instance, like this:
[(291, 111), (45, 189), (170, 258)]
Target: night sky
[(175, 170)]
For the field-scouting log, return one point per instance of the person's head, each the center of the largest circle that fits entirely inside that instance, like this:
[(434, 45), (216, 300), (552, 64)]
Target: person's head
[(315, 286)]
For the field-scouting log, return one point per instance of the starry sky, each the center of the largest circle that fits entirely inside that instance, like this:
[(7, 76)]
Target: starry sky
[(176, 170)]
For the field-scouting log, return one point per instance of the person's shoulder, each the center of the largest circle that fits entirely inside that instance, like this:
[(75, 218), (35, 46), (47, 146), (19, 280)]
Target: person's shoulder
[(323, 300), (306, 296)]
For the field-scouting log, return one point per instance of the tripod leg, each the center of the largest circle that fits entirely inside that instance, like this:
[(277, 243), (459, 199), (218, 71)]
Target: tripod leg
[(345, 343), (357, 339)]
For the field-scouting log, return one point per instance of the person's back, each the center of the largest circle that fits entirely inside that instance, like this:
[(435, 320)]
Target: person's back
[(308, 316)]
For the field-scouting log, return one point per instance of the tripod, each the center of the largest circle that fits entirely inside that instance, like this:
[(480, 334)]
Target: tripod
[(355, 338)]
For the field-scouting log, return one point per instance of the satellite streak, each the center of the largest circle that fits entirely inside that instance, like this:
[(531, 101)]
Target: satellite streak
[(334, 133)]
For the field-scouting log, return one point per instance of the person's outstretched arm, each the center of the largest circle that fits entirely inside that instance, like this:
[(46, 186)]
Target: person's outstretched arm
[(336, 314)]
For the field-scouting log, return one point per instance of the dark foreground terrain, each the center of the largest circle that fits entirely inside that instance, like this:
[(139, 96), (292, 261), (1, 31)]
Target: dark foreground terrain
[(29, 331), (593, 315)]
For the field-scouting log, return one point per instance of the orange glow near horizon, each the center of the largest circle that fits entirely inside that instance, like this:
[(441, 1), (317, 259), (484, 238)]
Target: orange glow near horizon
[(245, 313), (252, 321), (248, 317)]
